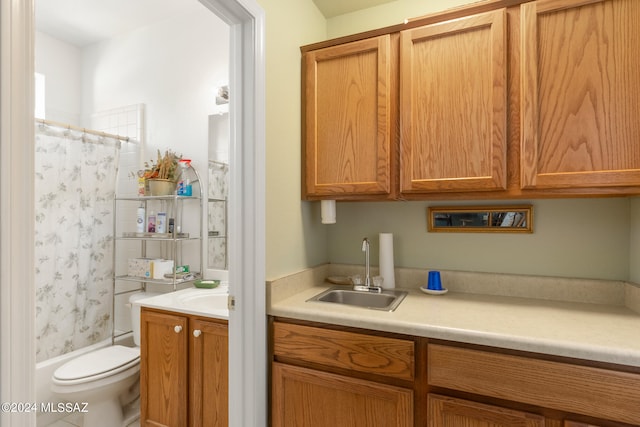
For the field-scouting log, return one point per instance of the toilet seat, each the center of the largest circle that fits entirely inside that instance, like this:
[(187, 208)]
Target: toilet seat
[(97, 364)]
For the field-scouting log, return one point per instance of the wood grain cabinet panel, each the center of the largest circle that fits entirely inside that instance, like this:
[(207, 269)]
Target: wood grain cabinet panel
[(347, 120), (577, 424), (451, 412), (370, 354), (209, 378), (163, 369), (590, 391), (580, 93), (453, 105), (310, 398), (184, 367)]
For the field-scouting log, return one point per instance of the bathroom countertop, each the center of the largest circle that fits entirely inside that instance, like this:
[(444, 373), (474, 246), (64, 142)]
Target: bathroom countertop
[(597, 332), (195, 301)]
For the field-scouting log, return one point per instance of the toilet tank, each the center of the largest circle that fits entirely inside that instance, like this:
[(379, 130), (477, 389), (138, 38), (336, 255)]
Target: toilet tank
[(135, 313)]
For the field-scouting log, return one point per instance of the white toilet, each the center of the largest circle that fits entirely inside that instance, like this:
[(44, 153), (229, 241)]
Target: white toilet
[(101, 377)]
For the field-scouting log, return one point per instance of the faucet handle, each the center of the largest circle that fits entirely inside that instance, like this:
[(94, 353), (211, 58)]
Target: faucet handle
[(365, 244)]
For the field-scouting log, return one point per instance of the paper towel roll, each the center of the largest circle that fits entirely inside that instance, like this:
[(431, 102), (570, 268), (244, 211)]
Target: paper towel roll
[(386, 261), (328, 211)]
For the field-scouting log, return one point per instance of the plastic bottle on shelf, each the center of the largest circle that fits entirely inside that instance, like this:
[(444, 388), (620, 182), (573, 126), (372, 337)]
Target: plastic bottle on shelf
[(161, 224), (141, 190), (151, 222), (184, 185), (140, 219)]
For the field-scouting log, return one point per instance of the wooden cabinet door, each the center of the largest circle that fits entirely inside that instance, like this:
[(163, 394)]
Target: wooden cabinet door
[(577, 424), (209, 378), (163, 370), (580, 93), (305, 397), (453, 114), (450, 412), (347, 113)]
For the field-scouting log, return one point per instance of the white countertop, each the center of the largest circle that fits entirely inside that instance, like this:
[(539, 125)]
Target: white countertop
[(195, 301), (596, 332)]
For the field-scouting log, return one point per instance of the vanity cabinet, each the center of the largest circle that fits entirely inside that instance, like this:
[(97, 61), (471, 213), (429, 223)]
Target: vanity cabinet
[(325, 377), (580, 94), (453, 105), (348, 95), (558, 385), (447, 411), (183, 370)]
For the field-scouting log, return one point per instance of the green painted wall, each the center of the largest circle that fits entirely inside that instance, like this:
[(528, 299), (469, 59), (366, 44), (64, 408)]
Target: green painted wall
[(295, 240), (572, 238)]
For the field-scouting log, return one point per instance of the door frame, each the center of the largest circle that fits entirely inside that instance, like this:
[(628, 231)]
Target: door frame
[(247, 330)]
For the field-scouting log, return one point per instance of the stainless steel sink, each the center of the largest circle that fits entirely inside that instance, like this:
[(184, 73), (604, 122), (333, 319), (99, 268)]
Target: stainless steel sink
[(387, 300)]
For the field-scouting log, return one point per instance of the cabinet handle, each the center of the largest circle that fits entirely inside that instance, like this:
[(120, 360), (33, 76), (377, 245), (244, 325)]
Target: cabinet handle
[(177, 329), (197, 332)]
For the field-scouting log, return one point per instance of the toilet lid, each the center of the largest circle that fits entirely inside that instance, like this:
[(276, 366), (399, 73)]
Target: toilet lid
[(106, 360)]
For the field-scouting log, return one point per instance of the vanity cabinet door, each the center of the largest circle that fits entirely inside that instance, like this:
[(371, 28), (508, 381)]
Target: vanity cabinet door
[(453, 105), (209, 365), (577, 424), (347, 96), (451, 412), (163, 369), (580, 94), (311, 398)]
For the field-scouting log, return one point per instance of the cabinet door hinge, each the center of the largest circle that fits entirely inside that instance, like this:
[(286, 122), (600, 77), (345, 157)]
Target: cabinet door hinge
[(231, 302)]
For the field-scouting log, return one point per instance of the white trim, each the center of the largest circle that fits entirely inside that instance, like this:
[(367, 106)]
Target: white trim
[(17, 299), (246, 250)]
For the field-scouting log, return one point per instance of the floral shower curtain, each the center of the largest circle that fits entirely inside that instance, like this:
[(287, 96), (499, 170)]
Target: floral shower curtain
[(74, 199), (217, 217)]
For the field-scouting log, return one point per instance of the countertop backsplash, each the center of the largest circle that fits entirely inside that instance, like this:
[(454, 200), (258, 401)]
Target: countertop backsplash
[(606, 292)]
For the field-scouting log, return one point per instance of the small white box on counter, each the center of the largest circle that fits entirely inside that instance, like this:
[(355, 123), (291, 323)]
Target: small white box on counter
[(150, 268), (160, 267)]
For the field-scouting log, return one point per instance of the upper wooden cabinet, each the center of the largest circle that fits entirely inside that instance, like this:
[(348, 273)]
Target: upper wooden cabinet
[(503, 99), (580, 93), (453, 114), (347, 93)]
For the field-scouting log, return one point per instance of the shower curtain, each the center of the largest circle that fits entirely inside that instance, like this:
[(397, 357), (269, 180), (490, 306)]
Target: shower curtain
[(74, 198)]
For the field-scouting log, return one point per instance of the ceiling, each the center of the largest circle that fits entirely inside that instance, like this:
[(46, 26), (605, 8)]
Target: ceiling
[(331, 8), (83, 22)]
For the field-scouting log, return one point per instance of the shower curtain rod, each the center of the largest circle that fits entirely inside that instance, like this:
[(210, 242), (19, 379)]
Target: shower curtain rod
[(84, 130)]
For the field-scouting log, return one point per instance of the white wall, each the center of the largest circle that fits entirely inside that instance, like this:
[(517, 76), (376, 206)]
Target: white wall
[(173, 68), (60, 63)]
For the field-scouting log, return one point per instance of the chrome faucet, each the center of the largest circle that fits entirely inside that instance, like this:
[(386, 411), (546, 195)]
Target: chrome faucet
[(367, 271)]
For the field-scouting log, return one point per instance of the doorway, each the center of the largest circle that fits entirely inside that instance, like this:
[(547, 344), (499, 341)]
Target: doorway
[(247, 322)]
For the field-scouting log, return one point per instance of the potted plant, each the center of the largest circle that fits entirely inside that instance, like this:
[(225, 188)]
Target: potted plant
[(162, 174)]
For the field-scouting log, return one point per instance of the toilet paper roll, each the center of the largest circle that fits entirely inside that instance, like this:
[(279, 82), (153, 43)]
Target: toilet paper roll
[(386, 261)]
